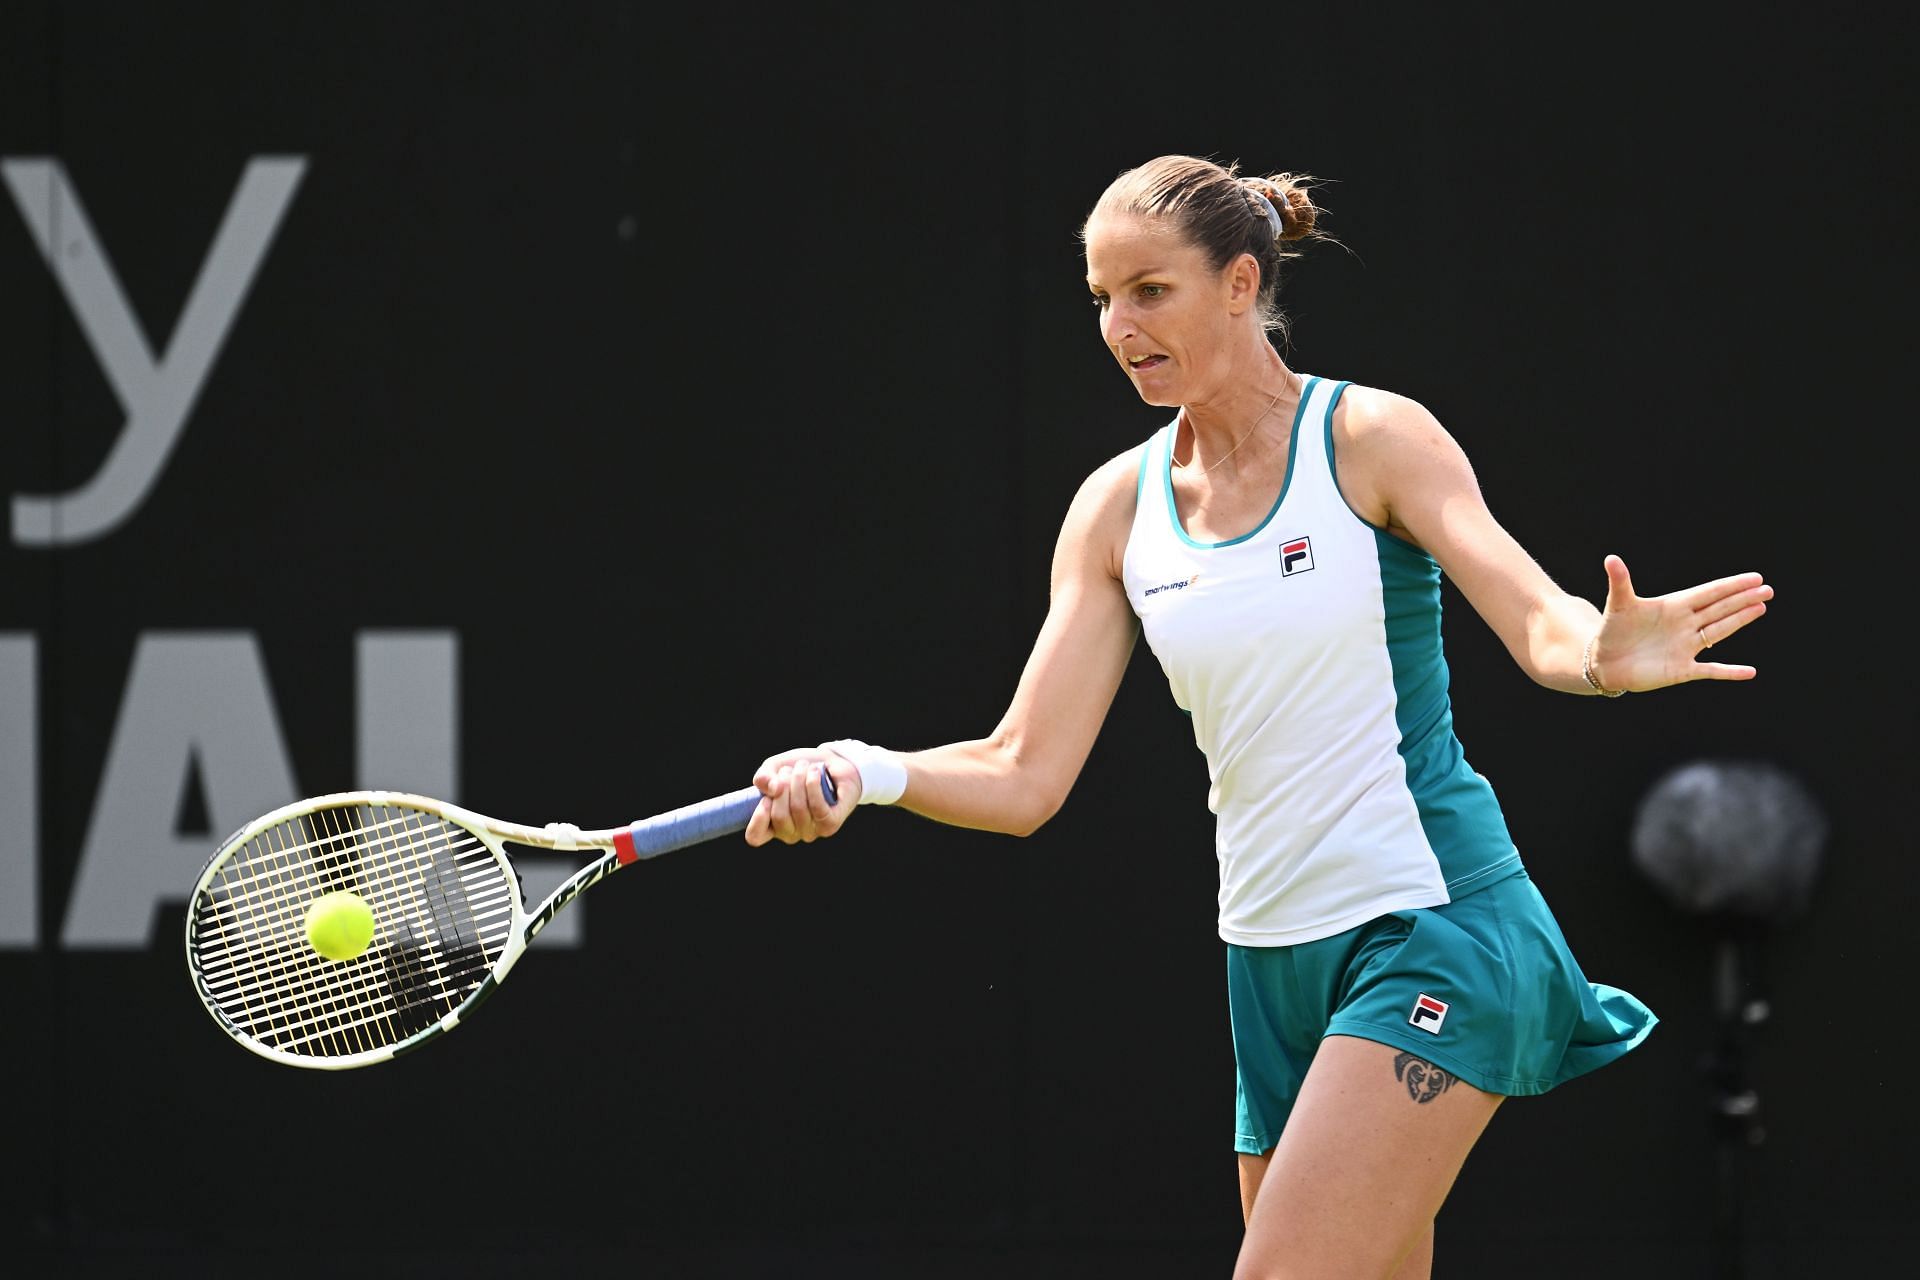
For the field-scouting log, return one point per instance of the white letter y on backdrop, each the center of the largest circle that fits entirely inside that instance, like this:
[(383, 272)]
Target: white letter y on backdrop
[(157, 394)]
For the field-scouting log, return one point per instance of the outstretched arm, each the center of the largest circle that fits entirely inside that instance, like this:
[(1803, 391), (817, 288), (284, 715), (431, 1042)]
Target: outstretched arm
[(1411, 477), (1016, 777)]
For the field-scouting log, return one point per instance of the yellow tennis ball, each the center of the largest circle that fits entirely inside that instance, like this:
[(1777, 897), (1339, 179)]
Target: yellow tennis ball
[(339, 925)]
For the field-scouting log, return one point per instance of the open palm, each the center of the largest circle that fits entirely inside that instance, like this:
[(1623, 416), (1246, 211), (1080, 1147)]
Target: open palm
[(1649, 642)]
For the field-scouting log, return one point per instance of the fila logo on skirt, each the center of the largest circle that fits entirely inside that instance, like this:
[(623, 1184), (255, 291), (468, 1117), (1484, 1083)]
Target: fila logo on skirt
[(1296, 556), (1428, 1013)]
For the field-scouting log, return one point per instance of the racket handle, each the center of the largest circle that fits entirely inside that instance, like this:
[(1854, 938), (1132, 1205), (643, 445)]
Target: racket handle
[(720, 816)]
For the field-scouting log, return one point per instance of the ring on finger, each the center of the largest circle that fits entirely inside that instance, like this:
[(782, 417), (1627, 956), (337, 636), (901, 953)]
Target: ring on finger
[(1704, 642)]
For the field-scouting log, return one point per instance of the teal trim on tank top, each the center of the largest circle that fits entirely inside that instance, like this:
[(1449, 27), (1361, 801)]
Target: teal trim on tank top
[(1293, 449), (1459, 813), (1458, 810), (1339, 390)]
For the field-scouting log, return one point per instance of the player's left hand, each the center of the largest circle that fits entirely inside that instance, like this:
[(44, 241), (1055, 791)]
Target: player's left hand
[(1650, 642)]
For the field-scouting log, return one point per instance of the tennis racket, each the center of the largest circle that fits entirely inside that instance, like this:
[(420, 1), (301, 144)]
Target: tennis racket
[(449, 918)]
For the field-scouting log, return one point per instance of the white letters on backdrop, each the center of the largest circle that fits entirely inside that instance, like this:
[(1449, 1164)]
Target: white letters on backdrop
[(195, 702), (157, 393)]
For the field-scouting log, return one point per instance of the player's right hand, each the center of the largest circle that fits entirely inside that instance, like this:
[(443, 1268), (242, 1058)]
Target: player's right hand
[(793, 807)]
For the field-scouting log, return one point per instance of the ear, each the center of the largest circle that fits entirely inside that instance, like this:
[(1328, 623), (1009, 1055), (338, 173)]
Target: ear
[(1243, 284)]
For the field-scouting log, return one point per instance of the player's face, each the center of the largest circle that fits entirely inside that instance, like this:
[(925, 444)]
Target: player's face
[(1164, 314)]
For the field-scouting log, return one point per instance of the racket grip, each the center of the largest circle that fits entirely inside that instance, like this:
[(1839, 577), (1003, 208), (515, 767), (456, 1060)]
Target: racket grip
[(720, 816)]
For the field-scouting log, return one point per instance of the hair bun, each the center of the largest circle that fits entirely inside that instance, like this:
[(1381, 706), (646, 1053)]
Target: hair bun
[(1288, 195)]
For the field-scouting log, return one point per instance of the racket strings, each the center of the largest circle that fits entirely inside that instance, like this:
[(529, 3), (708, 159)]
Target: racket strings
[(310, 1005), (270, 932), (443, 908), (403, 872), (379, 1004), (427, 971), (281, 983)]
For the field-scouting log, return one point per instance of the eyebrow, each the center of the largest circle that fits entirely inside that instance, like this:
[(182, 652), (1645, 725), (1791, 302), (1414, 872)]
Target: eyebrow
[(1138, 275)]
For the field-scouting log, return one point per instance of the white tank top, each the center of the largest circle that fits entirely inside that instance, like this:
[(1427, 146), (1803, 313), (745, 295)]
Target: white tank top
[(1307, 652)]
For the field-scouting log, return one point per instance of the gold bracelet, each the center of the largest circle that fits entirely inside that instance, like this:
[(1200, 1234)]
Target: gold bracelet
[(1586, 669)]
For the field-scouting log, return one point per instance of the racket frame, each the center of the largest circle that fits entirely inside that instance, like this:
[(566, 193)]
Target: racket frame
[(617, 847)]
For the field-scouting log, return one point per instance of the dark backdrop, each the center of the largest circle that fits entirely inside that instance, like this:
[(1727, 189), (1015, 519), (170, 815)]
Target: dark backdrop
[(711, 380)]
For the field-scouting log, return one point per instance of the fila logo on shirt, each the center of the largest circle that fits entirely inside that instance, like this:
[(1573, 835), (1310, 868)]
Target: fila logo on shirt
[(1296, 556), (1428, 1013)]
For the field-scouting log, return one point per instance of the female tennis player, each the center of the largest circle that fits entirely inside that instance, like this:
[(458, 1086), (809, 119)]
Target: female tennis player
[(1392, 972)]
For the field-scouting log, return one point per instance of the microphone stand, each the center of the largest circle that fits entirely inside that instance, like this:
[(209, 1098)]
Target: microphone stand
[(1740, 1009)]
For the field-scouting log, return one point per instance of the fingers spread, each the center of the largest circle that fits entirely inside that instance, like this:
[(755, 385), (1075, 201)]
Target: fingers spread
[(1713, 633), (1708, 593), (1729, 605)]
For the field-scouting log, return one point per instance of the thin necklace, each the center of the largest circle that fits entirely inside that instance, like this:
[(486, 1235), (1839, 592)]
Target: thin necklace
[(1237, 443)]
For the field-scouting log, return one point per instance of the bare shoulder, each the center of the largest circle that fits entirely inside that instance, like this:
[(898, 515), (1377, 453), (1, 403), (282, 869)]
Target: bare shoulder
[(1370, 420), (1388, 450), (1101, 514), (1113, 484)]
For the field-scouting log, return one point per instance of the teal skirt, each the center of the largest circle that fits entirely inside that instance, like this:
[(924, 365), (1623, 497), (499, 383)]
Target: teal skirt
[(1483, 987)]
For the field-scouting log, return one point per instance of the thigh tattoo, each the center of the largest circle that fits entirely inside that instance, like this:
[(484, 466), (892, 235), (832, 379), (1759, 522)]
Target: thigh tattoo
[(1424, 1081)]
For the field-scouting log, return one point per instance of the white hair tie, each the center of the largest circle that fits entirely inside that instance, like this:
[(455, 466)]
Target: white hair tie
[(1274, 219)]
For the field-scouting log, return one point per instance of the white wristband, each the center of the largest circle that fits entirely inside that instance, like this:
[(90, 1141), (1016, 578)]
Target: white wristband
[(883, 774)]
